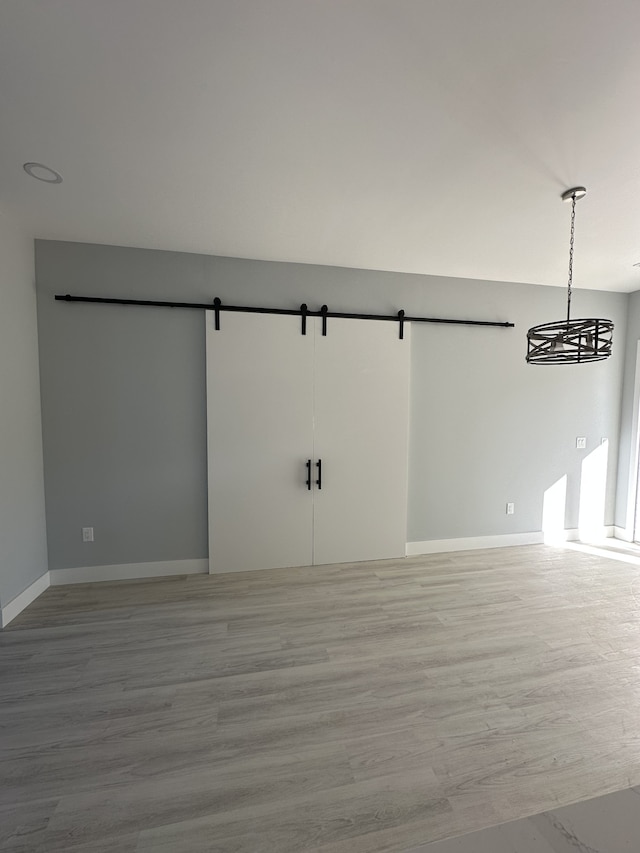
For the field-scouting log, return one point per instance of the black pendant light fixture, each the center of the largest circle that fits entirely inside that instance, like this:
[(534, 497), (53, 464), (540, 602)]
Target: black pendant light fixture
[(570, 341)]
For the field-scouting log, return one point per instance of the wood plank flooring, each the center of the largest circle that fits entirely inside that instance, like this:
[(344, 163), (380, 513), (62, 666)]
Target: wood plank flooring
[(336, 709)]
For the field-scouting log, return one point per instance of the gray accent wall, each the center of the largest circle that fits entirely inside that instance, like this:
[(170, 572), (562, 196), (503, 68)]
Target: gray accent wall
[(124, 409), (23, 548)]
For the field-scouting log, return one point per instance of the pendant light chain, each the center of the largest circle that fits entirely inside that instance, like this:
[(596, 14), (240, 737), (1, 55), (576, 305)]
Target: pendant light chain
[(573, 228)]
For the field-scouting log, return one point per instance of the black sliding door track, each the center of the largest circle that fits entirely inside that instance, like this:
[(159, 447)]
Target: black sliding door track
[(302, 311)]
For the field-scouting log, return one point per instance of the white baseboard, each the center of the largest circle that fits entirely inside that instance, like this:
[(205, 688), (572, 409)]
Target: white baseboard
[(15, 607), (606, 532), (622, 534), (128, 571), (504, 540), (471, 543), (569, 534)]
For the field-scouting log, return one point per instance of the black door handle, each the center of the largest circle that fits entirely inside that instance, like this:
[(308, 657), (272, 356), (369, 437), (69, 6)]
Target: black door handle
[(309, 474), (319, 467)]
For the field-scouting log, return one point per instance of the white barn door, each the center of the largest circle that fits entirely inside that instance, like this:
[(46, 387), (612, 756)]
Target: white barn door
[(260, 435), (361, 435), (277, 400)]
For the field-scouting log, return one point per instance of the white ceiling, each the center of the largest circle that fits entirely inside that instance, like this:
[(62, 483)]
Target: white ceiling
[(430, 136)]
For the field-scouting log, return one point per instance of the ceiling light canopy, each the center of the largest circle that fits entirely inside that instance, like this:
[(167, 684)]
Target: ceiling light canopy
[(570, 341), (42, 173)]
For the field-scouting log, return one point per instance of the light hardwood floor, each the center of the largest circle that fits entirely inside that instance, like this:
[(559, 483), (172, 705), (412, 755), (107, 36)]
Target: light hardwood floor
[(342, 709)]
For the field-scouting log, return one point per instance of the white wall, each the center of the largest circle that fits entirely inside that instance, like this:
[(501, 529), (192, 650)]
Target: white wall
[(628, 462), (23, 546)]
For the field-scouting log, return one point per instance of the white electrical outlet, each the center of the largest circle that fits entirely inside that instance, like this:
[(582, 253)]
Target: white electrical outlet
[(511, 508), (87, 534), (581, 442)]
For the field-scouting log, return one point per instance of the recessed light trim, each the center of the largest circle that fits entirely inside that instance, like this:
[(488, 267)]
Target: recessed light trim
[(42, 173)]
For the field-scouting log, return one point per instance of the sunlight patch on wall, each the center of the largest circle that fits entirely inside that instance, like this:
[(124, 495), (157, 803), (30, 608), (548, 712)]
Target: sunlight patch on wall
[(553, 511), (593, 491)]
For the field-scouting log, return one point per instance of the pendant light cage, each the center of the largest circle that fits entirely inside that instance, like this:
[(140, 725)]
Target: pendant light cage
[(570, 341)]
